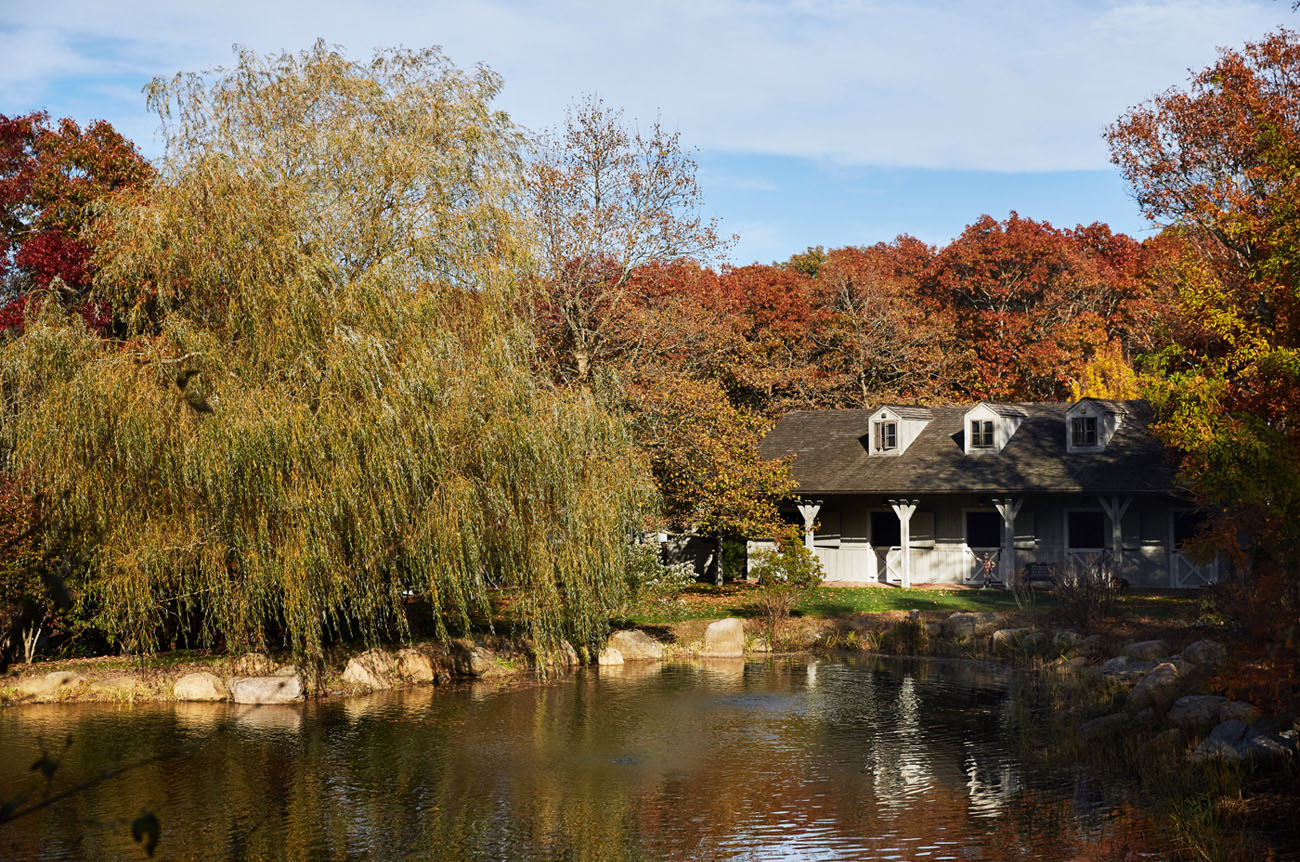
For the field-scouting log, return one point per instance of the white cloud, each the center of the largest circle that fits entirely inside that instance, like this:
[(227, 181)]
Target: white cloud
[(1010, 86)]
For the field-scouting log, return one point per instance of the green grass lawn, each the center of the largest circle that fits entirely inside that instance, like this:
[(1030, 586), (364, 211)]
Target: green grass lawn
[(841, 601), (708, 602)]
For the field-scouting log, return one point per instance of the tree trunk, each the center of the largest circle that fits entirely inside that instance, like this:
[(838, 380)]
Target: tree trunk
[(718, 568)]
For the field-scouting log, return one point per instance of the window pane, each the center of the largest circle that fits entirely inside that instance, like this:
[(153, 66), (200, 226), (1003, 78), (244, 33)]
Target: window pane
[(885, 530), (1087, 530), (1083, 430), (983, 529), (1187, 525)]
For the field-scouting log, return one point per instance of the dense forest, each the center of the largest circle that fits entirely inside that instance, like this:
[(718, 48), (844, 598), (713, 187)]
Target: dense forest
[(358, 336)]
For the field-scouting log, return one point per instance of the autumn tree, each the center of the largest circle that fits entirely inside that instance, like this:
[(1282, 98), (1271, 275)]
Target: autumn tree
[(702, 450), (1034, 303), (323, 399), (51, 181), (605, 200), (883, 342), (1217, 163)]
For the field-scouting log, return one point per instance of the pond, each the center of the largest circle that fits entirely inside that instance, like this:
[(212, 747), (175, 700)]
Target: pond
[(789, 758)]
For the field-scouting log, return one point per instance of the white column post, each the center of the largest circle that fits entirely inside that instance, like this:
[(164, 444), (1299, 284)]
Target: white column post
[(904, 510), (1115, 508), (808, 509), (1008, 508)]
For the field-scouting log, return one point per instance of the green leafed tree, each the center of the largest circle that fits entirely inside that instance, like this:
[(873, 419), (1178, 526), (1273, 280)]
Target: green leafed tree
[(324, 403)]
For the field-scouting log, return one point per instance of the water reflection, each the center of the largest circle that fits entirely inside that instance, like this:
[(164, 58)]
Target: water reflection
[(776, 759)]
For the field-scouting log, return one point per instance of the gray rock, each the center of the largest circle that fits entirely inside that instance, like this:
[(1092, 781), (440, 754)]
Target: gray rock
[(1206, 653), (1145, 650), (285, 670), (1157, 689), (413, 666), (1009, 638), (567, 656), (1240, 710), (1034, 641), (1107, 725), (1197, 713), (959, 626), (1121, 669), (724, 638), (1066, 639), (201, 686), (636, 645), (51, 686), (266, 689), (372, 670), (1237, 741), (609, 656), (470, 659)]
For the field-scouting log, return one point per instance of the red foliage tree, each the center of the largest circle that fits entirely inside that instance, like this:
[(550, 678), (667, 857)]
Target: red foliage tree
[(1035, 303), (50, 179)]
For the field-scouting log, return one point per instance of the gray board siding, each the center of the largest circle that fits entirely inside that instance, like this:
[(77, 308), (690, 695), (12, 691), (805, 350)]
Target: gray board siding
[(831, 456)]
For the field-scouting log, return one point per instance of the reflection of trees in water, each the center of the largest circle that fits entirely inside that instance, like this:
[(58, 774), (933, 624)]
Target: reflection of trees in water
[(683, 761)]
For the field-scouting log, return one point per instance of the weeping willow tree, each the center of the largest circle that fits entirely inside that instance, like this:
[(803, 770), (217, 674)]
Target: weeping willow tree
[(321, 401)]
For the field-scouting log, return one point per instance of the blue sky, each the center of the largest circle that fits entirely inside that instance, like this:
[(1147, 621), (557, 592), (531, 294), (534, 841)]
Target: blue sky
[(832, 123)]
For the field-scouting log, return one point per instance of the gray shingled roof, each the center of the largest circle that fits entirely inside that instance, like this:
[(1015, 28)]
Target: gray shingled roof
[(830, 449), (908, 411)]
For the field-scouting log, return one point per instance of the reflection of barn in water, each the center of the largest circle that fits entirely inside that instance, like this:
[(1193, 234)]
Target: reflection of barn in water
[(991, 782), (921, 730)]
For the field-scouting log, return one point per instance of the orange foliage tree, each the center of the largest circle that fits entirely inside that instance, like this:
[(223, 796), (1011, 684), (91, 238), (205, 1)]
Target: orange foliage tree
[(1217, 161)]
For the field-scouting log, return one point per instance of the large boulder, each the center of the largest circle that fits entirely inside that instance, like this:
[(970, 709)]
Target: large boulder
[(51, 686), (1025, 639), (266, 689), (1066, 639), (959, 626), (470, 659), (636, 645), (1145, 650), (724, 638), (372, 670), (201, 686), (1206, 653), (609, 656), (1196, 713), (1157, 689), (414, 666), (1121, 669), (964, 625), (1240, 710), (1236, 740)]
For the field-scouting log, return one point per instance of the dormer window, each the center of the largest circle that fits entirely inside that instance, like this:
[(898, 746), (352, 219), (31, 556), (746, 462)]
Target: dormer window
[(1083, 431), (989, 427), (886, 436), (894, 427), (981, 434)]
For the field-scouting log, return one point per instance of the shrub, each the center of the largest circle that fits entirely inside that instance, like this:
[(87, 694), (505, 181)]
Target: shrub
[(649, 580), (1087, 591), (908, 637), (785, 576)]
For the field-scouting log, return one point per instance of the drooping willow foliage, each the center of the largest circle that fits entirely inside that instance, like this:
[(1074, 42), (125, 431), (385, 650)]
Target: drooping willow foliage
[(322, 400)]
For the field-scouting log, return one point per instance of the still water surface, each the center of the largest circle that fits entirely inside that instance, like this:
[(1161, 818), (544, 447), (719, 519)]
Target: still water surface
[(787, 759)]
